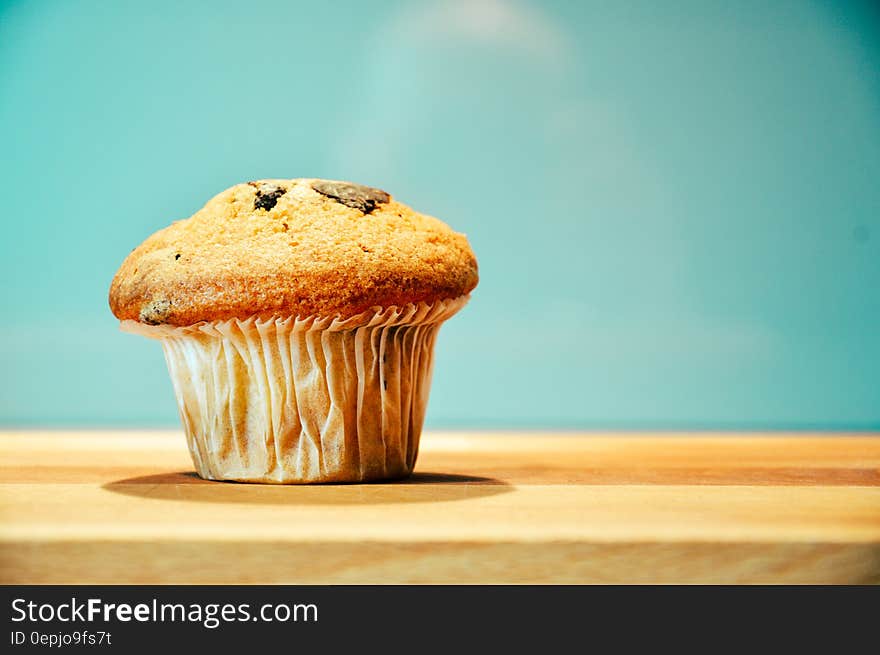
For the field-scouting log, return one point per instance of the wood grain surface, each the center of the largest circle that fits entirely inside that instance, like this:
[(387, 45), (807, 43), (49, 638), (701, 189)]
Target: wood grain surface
[(125, 507)]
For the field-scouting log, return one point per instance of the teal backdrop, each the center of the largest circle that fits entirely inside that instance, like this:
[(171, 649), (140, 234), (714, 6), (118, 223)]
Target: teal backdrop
[(675, 205)]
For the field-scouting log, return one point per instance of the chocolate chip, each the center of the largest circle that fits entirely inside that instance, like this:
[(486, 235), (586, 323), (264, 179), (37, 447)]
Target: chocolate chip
[(155, 312), (267, 195), (177, 256), (356, 196)]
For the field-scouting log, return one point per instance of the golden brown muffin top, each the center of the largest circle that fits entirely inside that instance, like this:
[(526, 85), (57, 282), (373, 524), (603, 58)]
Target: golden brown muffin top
[(300, 247)]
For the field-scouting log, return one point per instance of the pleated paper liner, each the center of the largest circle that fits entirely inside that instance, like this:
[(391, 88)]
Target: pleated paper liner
[(299, 400)]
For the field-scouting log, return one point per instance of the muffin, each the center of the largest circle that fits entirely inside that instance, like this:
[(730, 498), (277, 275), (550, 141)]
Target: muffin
[(298, 320)]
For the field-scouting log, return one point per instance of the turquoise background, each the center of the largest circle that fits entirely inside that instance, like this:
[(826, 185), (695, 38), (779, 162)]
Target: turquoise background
[(675, 205)]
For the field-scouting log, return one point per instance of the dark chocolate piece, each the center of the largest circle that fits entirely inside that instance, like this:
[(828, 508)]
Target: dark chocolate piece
[(267, 195), (356, 196)]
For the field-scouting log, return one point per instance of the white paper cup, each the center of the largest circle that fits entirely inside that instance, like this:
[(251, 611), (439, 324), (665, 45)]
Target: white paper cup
[(300, 400)]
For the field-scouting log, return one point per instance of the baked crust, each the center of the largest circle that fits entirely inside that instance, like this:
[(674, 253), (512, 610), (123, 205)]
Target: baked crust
[(301, 247)]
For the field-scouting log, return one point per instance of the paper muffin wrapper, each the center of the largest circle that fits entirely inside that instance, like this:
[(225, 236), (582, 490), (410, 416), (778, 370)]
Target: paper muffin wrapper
[(295, 400)]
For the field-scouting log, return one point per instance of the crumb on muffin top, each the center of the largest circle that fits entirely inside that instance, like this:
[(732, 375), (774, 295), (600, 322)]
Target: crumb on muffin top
[(301, 247)]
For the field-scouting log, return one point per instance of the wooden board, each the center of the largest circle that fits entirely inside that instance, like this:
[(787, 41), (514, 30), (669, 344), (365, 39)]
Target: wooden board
[(124, 507)]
